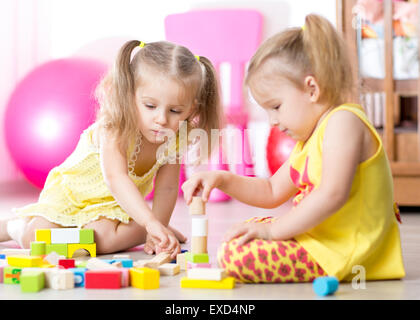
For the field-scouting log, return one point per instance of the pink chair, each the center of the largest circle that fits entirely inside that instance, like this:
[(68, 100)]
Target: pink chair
[(230, 36)]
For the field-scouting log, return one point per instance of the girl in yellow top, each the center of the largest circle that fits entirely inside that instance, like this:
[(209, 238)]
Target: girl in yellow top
[(144, 100), (343, 214)]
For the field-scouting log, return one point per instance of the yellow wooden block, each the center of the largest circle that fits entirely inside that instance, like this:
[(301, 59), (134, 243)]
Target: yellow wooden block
[(43, 235), (72, 247), (25, 261), (226, 283), (144, 278)]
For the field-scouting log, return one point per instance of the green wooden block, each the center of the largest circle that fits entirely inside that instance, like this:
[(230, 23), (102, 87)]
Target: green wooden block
[(86, 236), (81, 264), (38, 248), (59, 248), (11, 275), (197, 257), (32, 281)]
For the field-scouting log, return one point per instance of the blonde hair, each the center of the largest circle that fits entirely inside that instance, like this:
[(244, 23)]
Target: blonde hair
[(316, 49), (116, 92)]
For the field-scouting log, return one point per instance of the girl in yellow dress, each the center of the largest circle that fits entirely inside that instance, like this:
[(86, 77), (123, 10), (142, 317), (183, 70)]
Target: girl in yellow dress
[(144, 101), (344, 219)]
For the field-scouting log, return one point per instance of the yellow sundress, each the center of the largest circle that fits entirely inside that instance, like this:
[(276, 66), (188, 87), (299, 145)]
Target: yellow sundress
[(75, 192)]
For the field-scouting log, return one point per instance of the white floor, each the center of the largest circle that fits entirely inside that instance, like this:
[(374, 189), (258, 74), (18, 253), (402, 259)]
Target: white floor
[(221, 216)]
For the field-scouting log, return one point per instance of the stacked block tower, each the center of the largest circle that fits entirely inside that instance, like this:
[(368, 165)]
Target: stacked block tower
[(64, 241), (200, 274)]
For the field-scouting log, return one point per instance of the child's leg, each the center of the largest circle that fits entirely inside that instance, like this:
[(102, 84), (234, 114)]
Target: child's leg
[(113, 236), (268, 261)]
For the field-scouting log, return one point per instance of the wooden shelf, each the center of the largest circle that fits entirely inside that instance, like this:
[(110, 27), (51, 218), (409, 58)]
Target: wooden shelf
[(402, 144)]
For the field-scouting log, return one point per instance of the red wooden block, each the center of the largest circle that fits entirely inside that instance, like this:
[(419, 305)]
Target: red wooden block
[(103, 279), (66, 263)]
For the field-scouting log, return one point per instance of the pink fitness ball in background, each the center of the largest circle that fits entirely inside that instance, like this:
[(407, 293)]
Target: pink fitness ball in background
[(47, 112), (279, 148)]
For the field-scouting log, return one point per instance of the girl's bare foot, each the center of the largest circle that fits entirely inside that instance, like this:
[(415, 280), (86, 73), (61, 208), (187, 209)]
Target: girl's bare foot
[(4, 235), (181, 238)]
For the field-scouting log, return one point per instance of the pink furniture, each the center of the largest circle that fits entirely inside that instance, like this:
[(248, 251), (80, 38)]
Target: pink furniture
[(230, 36)]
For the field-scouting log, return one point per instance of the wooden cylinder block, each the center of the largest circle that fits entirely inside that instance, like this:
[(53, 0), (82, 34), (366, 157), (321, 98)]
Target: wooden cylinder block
[(199, 244), (197, 206)]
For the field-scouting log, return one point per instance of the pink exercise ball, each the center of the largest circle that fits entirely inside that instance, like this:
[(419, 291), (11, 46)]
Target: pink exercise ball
[(279, 148), (47, 112)]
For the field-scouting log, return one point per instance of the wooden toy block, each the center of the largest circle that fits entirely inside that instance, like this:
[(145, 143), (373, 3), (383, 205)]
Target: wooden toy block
[(117, 264), (125, 263), (197, 257), (206, 273), (43, 235), (81, 264), (79, 276), (169, 269), (66, 263), (11, 275), (325, 286), (181, 261), (65, 235), (125, 277), (2, 256), (72, 247), (144, 278), (86, 236), (226, 283), (140, 263), (199, 244), (52, 258), (32, 281), (61, 279), (197, 206), (24, 261), (98, 264), (38, 248), (191, 265), (16, 252), (161, 258), (103, 279), (59, 248), (199, 227)]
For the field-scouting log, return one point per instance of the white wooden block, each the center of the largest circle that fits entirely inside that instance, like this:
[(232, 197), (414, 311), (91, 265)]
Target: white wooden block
[(16, 252), (96, 264), (65, 235), (199, 227), (53, 258), (169, 269), (60, 279), (140, 263), (206, 273)]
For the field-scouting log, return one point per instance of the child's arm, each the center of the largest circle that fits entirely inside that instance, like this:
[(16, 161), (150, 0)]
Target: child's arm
[(342, 151), (257, 192), (115, 172)]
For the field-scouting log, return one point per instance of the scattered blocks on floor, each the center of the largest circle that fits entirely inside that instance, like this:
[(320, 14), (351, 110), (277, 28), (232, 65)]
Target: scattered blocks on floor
[(79, 276), (159, 259), (324, 286), (226, 283), (103, 279), (32, 281), (61, 279), (181, 261), (144, 278), (169, 269)]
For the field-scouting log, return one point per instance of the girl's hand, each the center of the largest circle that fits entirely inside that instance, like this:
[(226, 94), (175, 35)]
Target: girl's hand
[(161, 238), (150, 246), (205, 181), (249, 231)]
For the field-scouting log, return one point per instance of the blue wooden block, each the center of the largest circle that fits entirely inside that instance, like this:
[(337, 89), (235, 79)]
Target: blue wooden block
[(126, 263), (324, 286), (79, 276), (2, 256)]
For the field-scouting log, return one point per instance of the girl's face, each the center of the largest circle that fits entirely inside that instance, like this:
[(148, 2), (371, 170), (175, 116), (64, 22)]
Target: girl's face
[(162, 104), (292, 110)]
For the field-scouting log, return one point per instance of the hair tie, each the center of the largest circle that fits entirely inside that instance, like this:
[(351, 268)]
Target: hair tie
[(142, 44), (197, 57)]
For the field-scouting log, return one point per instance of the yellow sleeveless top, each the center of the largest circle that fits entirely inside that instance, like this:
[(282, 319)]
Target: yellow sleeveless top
[(75, 192), (364, 232)]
